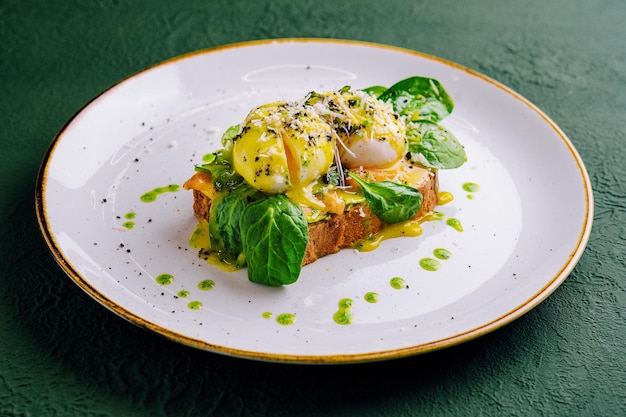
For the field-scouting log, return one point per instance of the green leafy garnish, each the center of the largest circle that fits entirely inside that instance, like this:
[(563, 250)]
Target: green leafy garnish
[(223, 174), (333, 176), (375, 90), (424, 102), (275, 235), (419, 98), (391, 202), (228, 139), (229, 136), (433, 146), (227, 214)]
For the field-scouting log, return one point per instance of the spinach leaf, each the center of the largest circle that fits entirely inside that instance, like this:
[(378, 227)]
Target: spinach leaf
[(434, 146), (227, 215), (223, 175), (217, 245), (275, 234), (229, 136), (375, 90), (419, 98), (391, 202)]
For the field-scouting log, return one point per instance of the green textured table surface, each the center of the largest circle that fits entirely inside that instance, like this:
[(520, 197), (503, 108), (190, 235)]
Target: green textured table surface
[(62, 354)]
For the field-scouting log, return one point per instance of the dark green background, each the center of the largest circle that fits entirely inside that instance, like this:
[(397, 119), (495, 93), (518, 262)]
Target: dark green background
[(62, 354)]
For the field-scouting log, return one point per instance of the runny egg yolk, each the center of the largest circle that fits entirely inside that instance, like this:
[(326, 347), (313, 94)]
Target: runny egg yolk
[(284, 148), (370, 134)]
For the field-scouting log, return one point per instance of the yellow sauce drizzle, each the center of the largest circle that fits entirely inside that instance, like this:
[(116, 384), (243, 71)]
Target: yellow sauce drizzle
[(201, 241), (409, 229), (435, 215), (444, 197)]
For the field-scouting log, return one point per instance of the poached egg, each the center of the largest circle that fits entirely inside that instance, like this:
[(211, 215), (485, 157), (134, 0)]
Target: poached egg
[(286, 147)]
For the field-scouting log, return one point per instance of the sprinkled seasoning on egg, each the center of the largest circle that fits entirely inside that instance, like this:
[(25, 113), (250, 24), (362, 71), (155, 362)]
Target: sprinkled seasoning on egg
[(290, 146), (369, 132)]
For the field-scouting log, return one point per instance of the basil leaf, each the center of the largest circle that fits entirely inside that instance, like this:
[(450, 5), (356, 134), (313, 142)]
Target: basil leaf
[(434, 146), (391, 202), (419, 98), (275, 234)]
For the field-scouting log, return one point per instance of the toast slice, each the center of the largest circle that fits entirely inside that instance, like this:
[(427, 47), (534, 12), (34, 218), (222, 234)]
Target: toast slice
[(337, 231)]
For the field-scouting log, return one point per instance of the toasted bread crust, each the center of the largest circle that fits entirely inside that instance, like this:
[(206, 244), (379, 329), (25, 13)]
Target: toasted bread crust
[(339, 231), (201, 205)]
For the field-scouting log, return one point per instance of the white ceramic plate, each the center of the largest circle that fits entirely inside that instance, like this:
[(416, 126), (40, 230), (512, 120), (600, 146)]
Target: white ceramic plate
[(524, 229)]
